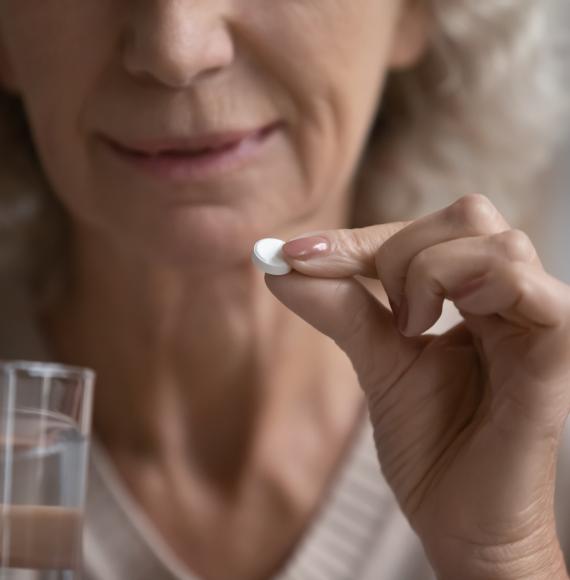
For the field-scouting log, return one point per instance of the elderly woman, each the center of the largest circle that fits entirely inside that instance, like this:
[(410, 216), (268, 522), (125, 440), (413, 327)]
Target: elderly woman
[(230, 436)]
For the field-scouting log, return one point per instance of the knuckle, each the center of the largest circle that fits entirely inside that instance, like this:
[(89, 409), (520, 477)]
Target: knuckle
[(383, 260), (521, 280), (391, 272), (423, 272), (354, 242), (389, 251), (515, 245), (364, 241), (352, 250), (474, 211), (421, 265), (346, 240)]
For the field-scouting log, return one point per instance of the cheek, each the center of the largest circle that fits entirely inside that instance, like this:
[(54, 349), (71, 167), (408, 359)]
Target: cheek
[(55, 49), (331, 59), (58, 51)]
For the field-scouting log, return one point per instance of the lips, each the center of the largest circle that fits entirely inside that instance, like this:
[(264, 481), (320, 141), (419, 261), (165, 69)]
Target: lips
[(196, 145), (196, 157)]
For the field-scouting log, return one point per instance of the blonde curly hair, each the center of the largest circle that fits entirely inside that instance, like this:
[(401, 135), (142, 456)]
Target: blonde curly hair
[(479, 113)]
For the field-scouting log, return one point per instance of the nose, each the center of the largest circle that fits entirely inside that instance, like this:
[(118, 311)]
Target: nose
[(176, 42)]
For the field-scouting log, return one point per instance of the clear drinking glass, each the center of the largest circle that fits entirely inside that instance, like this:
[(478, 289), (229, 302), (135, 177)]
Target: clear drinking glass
[(45, 419)]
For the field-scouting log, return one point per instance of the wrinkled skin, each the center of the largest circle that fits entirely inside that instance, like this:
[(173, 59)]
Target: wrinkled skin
[(467, 424), (161, 282), (129, 71)]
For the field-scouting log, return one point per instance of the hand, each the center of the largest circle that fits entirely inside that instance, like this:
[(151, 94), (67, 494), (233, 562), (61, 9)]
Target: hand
[(467, 424)]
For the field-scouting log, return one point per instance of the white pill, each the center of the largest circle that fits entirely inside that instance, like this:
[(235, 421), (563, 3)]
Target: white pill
[(267, 255)]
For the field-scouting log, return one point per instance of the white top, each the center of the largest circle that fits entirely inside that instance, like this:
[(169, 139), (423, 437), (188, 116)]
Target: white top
[(358, 534)]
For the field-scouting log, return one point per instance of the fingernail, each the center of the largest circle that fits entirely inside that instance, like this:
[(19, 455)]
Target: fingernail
[(394, 308), (306, 248), (403, 316)]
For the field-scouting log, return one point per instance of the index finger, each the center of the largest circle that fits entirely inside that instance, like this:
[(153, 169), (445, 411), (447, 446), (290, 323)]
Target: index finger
[(340, 253), (343, 253)]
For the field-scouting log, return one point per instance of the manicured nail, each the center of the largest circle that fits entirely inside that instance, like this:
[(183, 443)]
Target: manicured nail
[(403, 316), (306, 248)]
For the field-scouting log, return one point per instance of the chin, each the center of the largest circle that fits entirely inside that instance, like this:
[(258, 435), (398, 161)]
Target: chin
[(207, 239)]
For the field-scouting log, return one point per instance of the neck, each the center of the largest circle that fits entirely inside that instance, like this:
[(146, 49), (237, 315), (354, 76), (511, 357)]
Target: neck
[(198, 366)]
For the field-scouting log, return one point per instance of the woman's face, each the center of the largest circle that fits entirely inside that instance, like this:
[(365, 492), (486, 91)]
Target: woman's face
[(181, 127)]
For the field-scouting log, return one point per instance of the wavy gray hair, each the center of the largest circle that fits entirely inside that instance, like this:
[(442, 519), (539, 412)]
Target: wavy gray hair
[(481, 113), (477, 114)]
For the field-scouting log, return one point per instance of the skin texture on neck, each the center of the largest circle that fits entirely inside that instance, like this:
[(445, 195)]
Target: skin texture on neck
[(212, 399), (224, 414)]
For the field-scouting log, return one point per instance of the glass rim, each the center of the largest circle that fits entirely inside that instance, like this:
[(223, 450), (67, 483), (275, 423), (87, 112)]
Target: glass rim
[(77, 378), (48, 369)]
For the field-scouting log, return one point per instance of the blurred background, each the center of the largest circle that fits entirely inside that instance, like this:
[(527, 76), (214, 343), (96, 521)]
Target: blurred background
[(552, 235)]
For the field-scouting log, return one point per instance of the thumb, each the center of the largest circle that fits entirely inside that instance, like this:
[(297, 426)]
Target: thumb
[(344, 310)]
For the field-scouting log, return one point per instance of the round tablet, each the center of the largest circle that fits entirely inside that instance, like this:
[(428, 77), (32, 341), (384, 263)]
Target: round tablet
[(268, 257)]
